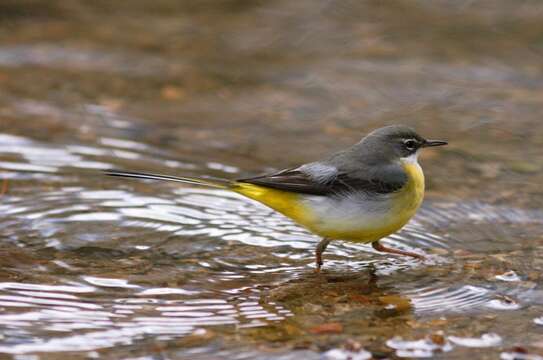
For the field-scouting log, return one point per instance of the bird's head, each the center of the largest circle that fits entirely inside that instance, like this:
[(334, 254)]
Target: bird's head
[(397, 142)]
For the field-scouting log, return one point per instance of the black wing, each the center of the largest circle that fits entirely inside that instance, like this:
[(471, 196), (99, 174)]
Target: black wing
[(292, 180), (388, 180)]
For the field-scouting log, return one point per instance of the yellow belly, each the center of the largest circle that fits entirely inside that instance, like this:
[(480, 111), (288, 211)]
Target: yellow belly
[(331, 223), (409, 199)]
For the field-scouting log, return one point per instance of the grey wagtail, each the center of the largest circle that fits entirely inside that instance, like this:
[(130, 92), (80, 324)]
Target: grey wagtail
[(360, 194)]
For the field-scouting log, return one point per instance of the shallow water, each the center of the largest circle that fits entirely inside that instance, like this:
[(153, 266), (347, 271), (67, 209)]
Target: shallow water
[(116, 268)]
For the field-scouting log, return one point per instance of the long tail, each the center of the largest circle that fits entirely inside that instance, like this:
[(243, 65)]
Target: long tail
[(214, 183)]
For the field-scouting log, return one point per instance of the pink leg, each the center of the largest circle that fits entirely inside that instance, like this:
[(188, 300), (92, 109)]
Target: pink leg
[(318, 253), (377, 246)]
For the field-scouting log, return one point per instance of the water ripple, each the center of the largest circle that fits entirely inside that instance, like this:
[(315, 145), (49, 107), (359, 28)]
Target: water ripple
[(135, 259)]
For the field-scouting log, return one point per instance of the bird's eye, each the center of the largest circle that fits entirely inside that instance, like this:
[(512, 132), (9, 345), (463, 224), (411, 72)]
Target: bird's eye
[(410, 144)]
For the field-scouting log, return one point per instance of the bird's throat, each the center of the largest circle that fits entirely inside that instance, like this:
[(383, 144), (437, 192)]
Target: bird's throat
[(414, 189)]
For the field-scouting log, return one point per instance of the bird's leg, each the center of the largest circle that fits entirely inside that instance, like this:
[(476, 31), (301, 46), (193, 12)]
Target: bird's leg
[(377, 246), (318, 253)]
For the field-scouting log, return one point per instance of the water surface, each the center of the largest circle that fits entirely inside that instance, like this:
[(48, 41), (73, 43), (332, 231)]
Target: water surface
[(115, 268)]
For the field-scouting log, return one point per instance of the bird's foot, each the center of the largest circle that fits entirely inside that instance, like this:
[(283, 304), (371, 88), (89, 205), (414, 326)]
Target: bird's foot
[(318, 253), (381, 248)]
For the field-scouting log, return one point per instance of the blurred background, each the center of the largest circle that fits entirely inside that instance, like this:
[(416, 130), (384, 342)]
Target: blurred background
[(235, 87)]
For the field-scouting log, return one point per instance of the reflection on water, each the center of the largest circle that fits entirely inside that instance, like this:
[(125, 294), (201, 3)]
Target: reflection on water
[(101, 267)]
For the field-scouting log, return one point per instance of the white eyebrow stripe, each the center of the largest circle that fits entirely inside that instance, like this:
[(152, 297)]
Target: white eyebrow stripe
[(319, 172)]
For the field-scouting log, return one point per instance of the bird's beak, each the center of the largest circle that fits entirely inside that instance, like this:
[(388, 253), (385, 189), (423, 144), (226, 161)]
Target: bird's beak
[(429, 143)]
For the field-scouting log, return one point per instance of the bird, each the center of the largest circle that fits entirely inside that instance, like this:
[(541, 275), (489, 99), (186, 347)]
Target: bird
[(361, 194)]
